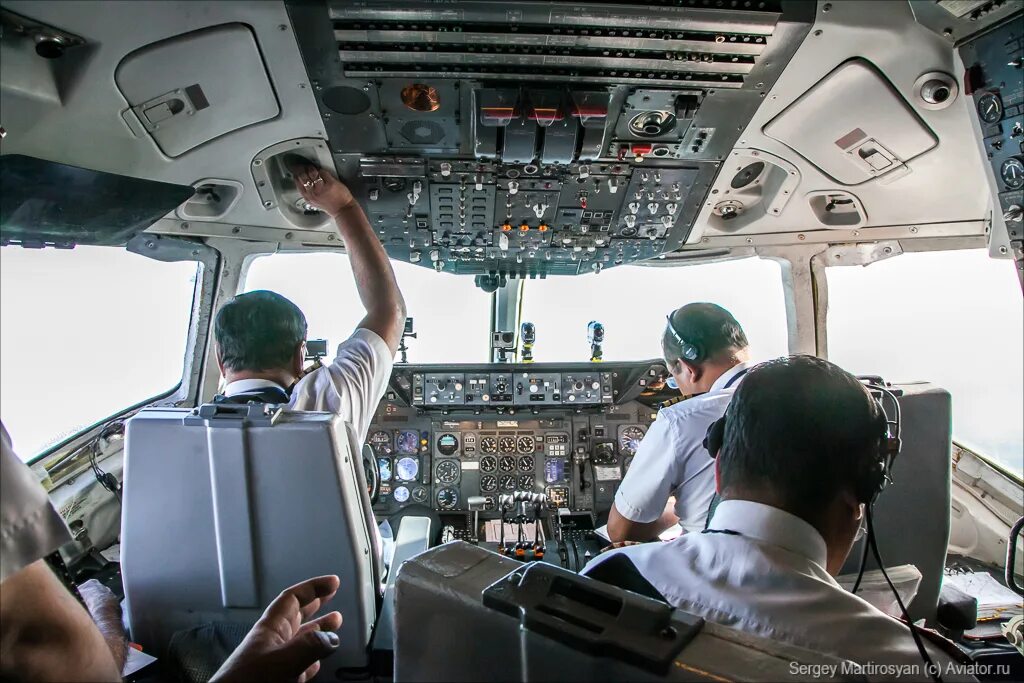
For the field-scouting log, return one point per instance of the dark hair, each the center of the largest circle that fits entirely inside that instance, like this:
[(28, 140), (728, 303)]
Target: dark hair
[(802, 428), (258, 331), (709, 326)]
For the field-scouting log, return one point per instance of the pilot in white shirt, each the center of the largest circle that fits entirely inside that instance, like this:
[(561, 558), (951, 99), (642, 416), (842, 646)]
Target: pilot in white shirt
[(800, 437), (260, 336), (706, 351)]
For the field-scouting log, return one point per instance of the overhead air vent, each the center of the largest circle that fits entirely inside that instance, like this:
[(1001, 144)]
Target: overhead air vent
[(712, 46)]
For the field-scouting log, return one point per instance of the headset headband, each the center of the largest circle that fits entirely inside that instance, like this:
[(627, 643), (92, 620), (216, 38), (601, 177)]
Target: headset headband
[(687, 350)]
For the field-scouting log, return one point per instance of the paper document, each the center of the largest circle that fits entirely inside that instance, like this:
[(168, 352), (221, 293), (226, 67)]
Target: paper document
[(995, 601), (135, 661)]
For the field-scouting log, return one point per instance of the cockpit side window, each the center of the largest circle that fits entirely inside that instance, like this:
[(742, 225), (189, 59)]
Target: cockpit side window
[(953, 318), (84, 334)]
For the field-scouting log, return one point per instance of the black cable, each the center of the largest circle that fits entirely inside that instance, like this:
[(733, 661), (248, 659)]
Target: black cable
[(1011, 558), (863, 561), (105, 479), (933, 670)]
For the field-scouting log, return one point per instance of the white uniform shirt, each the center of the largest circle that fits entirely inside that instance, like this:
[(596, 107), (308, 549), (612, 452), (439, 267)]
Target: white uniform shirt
[(672, 460), (768, 578), (350, 386), (30, 529)]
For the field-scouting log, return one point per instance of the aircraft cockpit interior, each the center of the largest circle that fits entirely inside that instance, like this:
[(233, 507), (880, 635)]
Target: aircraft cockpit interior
[(515, 195)]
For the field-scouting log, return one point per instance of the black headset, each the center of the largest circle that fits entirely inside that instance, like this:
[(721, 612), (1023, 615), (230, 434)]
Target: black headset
[(690, 351), (873, 475)]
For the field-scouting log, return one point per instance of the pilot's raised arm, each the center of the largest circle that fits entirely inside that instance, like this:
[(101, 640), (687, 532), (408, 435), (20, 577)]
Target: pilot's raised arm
[(706, 352), (375, 280), (261, 335)]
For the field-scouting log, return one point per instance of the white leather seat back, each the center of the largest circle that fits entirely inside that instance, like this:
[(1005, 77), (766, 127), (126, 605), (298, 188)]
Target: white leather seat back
[(225, 506)]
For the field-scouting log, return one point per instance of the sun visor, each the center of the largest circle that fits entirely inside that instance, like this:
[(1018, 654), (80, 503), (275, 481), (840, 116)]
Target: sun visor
[(44, 203)]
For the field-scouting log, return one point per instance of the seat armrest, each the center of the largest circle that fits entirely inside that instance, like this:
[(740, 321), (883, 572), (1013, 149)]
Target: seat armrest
[(413, 538)]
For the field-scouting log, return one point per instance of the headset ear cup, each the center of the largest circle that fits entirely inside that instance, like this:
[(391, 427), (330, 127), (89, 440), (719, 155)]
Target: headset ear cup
[(715, 437)]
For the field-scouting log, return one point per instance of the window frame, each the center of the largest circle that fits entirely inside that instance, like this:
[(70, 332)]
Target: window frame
[(863, 254), (62, 458)]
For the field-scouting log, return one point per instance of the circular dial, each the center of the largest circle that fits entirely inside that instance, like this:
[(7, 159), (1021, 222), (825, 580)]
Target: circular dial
[(408, 442), (525, 482), (406, 469), (489, 502), (507, 482), (507, 444), (488, 444), (419, 494), (447, 471), (447, 498), (384, 467), (401, 494), (1012, 172), (488, 483), (380, 441), (447, 444), (990, 108), (524, 444), (526, 463), (507, 463), (488, 463), (629, 439)]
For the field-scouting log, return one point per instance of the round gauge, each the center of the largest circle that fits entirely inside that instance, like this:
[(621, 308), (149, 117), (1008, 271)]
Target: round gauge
[(447, 498), (526, 463), (488, 483), (447, 444), (990, 108), (1012, 172), (525, 482), (406, 469), (380, 442), (408, 442), (629, 439), (401, 494), (488, 502), (507, 463), (507, 482), (488, 463), (488, 444), (419, 494), (447, 471), (507, 444), (524, 444), (384, 467)]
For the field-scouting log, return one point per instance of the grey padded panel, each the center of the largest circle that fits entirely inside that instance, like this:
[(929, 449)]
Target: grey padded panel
[(912, 514), (439, 603), (192, 88), (217, 520)]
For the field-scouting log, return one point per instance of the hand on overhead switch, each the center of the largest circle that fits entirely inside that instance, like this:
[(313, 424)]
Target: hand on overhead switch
[(323, 190)]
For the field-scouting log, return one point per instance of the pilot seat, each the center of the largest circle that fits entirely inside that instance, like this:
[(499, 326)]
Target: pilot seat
[(227, 505)]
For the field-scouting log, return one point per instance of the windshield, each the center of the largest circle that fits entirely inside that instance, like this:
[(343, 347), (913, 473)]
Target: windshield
[(450, 313), (85, 333), (952, 318), (632, 302)]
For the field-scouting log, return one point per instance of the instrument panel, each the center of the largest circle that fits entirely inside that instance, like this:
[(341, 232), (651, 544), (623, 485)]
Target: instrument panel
[(445, 435)]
